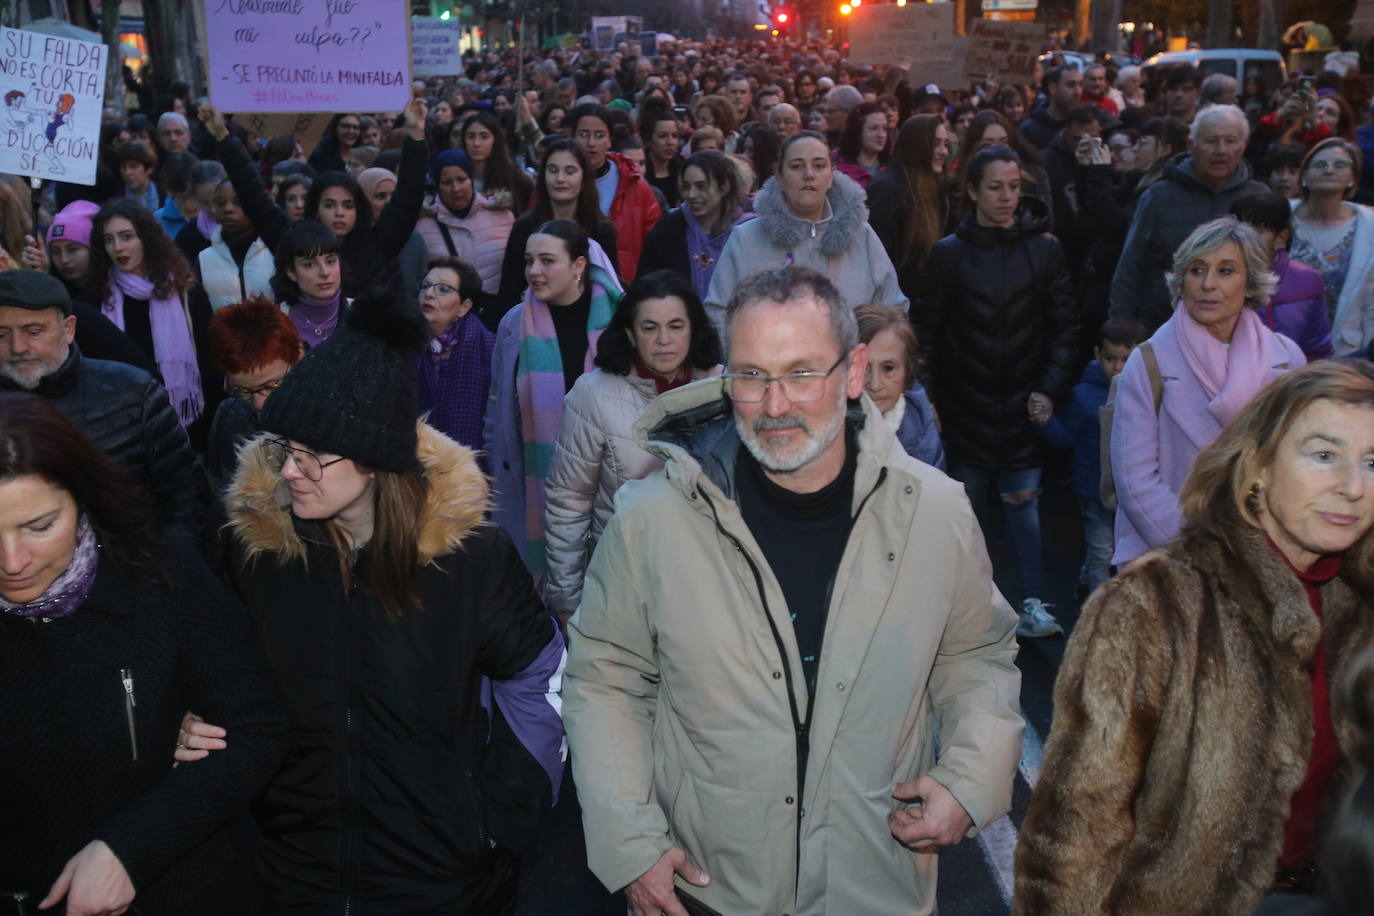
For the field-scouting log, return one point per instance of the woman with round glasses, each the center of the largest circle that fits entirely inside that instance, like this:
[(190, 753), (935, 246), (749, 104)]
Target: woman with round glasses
[(455, 374), (1335, 237)]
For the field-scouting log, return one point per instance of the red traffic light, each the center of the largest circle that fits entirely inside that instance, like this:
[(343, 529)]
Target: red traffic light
[(782, 17)]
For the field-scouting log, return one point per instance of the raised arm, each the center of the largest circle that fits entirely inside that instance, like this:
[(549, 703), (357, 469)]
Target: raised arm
[(263, 212), (397, 220)]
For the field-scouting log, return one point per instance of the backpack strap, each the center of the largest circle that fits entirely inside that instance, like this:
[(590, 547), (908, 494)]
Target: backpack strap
[(448, 237), (1147, 353)]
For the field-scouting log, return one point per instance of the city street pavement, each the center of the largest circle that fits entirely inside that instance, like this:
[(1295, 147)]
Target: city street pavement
[(975, 876)]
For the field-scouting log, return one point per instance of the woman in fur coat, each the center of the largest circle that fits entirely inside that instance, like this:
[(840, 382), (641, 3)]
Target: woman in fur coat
[(1187, 766)]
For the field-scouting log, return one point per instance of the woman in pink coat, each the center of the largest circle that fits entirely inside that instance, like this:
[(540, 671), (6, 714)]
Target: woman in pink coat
[(1213, 356)]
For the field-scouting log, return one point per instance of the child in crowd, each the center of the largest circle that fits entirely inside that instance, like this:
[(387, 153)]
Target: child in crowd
[(1298, 308), (1076, 427), (136, 165)]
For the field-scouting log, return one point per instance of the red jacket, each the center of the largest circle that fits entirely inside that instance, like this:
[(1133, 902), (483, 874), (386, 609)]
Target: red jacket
[(634, 212)]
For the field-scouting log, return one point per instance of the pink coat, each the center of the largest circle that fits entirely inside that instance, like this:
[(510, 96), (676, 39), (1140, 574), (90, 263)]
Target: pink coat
[(479, 239), (1152, 455)]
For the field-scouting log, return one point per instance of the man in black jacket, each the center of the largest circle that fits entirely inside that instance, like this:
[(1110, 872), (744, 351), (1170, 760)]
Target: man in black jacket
[(122, 408)]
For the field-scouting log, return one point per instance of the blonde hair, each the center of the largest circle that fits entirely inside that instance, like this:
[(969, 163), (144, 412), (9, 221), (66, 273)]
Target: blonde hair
[(1260, 281), (1220, 495)]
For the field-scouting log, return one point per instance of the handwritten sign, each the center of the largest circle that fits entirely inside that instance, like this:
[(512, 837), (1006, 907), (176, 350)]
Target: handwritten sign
[(308, 55), (947, 74), (1006, 51), (53, 91), (885, 33), (434, 47), (305, 128)]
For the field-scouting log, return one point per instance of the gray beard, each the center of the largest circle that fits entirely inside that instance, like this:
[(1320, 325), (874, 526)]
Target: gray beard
[(39, 369), (816, 444)]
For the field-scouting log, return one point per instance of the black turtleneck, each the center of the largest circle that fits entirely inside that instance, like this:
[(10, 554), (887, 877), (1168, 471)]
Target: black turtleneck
[(570, 323), (802, 536)]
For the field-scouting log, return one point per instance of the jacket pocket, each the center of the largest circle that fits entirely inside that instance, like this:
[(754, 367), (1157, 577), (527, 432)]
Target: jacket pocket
[(126, 682)]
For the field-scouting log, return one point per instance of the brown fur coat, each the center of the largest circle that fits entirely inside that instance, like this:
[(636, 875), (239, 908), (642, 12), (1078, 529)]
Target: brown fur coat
[(1182, 727)]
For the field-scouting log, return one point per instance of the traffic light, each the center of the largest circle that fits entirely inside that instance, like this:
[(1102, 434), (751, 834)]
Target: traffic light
[(782, 16), (846, 9)]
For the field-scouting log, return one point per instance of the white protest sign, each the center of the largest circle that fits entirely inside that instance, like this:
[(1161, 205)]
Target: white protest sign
[(308, 55), (1006, 51), (53, 89), (885, 33), (434, 47)]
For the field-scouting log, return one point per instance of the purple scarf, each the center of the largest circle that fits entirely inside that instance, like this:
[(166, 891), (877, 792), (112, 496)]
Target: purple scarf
[(174, 347), (703, 251), (205, 224), (314, 319), (69, 589), (454, 379)]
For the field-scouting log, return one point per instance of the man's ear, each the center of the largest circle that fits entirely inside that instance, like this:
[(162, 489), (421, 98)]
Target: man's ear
[(69, 328)]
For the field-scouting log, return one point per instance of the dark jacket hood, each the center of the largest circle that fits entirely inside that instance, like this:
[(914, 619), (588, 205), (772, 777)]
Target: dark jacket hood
[(1180, 169)]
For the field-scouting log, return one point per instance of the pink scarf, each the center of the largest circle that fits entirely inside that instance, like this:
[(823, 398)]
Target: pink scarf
[(1230, 374), (174, 348)]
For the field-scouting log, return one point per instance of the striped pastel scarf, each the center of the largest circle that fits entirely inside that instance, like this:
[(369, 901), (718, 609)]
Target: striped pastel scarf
[(539, 391)]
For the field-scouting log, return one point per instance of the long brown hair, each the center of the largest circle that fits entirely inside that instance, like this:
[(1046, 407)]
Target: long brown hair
[(167, 268), (37, 439), (587, 212), (392, 556), (1219, 497), (924, 198)]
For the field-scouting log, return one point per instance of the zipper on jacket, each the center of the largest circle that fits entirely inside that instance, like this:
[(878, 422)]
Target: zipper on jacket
[(352, 843), (126, 678)]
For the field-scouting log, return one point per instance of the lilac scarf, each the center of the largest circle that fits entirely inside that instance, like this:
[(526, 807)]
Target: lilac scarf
[(205, 224), (454, 378), (1230, 374), (174, 347), (68, 590), (315, 320), (703, 251)]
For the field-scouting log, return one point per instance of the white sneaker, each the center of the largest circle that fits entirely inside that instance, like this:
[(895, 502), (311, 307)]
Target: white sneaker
[(1036, 621)]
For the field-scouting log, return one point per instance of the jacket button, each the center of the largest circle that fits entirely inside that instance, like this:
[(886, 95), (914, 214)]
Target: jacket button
[(908, 488), (840, 686), (505, 465), (891, 557), (790, 799), (777, 675)]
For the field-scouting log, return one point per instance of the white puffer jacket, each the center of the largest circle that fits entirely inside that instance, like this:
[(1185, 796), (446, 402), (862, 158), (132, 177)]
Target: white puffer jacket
[(594, 455), (225, 281)]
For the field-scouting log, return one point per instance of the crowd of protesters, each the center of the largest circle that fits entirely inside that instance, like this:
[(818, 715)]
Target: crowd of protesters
[(667, 399)]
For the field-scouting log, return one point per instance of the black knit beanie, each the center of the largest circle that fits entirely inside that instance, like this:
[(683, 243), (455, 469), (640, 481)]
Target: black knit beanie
[(355, 395)]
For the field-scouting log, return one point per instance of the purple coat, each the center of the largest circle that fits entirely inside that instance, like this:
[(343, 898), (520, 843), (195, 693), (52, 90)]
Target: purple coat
[(1152, 455), (1297, 310)]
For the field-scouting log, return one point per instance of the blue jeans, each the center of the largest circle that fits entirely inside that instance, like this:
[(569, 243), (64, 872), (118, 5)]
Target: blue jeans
[(1099, 535), (1022, 516)]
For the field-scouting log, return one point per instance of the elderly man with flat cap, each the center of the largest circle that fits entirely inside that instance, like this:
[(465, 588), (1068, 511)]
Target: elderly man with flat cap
[(122, 408)]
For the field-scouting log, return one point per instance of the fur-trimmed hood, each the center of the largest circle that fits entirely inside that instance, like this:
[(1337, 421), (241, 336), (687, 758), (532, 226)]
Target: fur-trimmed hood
[(458, 498), (839, 232)]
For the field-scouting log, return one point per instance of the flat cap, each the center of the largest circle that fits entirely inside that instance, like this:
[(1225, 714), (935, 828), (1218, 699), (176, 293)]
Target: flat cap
[(33, 289)]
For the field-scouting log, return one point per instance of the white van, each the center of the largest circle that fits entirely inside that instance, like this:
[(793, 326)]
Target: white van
[(1256, 72)]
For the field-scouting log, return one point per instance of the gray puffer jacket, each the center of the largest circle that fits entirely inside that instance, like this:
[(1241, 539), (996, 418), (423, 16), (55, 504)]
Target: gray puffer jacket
[(594, 455), (841, 245)]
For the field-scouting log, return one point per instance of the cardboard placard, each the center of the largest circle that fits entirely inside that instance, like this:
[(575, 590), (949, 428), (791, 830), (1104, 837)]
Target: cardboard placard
[(434, 47), (883, 34), (53, 89), (306, 128), (304, 55), (947, 74), (1006, 51)]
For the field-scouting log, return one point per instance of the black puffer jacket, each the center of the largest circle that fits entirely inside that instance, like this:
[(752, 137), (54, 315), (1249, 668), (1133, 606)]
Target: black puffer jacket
[(126, 412), (422, 746), (1005, 325)]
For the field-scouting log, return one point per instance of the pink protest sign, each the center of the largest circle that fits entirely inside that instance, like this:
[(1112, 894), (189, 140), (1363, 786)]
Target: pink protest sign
[(308, 55)]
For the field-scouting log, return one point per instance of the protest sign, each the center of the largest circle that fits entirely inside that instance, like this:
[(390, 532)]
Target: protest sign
[(885, 33), (308, 55), (54, 89), (305, 128), (1006, 51), (947, 74), (434, 47)]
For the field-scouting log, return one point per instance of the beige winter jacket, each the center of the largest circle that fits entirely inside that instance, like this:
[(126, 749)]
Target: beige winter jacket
[(685, 703), (593, 456)]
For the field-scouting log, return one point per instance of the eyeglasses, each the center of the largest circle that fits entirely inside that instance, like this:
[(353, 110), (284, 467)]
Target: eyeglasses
[(1331, 165), (442, 289), (307, 462), (799, 387), (265, 388)]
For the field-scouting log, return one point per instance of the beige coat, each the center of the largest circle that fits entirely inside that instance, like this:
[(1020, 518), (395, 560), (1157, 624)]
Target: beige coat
[(594, 455), (684, 687)]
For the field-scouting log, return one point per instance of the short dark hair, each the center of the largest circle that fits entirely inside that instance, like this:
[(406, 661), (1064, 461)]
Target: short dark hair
[(575, 239), (614, 352), (1085, 114), (175, 175), (1166, 131), (306, 239), (588, 110), (986, 157), (134, 151), (363, 220), (1284, 155), (1263, 210), (1183, 75), (469, 281), (1122, 332), (1055, 75)]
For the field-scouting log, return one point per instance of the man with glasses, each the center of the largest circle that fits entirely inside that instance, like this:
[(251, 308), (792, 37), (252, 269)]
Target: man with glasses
[(769, 628), (784, 119), (836, 106), (122, 408), (254, 343)]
